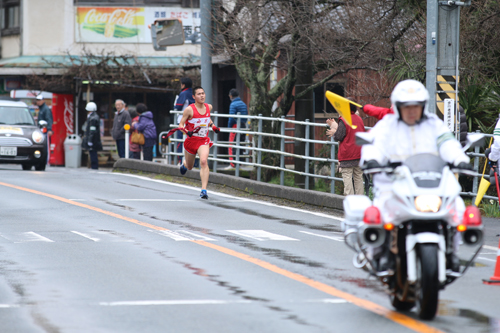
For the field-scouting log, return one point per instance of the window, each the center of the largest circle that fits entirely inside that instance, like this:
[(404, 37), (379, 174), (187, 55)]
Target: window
[(10, 18)]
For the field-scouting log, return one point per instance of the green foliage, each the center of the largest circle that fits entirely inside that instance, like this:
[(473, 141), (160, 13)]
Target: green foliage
[(481, 104), (289, 179), (490, 208), (407, 65)]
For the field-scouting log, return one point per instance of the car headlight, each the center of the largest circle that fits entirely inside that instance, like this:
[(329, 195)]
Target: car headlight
[(428, 203), (37, 136)]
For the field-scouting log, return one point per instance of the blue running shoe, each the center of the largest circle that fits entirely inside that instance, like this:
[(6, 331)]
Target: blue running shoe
[(183, 169), (203, 194)]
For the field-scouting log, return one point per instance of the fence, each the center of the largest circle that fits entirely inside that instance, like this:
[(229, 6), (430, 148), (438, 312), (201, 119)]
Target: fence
[(254, 160)]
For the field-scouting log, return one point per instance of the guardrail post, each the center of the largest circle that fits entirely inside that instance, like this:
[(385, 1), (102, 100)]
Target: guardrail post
[(476, 168), (216, 121), (332, 171), (127, 139), (259, 145), (282, 157), (307, 155), (238, 142)]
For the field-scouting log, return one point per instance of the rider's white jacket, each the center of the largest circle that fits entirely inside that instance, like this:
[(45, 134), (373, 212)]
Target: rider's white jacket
[(394, 141), (495, 147)]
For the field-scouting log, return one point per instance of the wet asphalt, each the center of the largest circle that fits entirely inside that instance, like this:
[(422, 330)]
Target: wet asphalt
[(87, 251)]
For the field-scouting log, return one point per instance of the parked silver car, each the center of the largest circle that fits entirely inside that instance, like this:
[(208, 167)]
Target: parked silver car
[(22, 141)]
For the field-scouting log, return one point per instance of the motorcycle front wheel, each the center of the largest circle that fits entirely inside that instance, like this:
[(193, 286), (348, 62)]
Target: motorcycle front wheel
[(401, 305), (427, 288)]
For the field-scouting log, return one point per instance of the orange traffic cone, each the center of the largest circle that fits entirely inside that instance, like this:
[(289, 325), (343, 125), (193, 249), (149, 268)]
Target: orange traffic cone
[(495, 279)]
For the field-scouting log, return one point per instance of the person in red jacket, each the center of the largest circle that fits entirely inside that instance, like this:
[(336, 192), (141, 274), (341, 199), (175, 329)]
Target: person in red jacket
[(349, 153), (376, 111)]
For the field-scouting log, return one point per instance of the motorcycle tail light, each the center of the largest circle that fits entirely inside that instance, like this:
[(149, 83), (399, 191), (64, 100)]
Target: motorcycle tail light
[(472, 216), (44, 130), (372, 215)]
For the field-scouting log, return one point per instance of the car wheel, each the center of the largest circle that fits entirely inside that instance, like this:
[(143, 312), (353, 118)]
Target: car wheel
[(40, 167), (27, 166)]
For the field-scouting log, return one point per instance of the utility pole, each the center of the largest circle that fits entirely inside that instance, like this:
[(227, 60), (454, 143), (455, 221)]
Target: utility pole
[(442, 60), (206, 48)]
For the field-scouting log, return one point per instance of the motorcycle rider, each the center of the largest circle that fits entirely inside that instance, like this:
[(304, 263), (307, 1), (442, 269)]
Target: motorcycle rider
[(410, 130), (493, 153)]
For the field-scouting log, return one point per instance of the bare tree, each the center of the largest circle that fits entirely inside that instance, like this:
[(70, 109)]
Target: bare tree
[(333, 37)]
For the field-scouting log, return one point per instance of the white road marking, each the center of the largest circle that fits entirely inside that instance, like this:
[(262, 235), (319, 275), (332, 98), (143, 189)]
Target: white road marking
[(6, 306), (86, 236), (328, 300), (166, 200), (34, 237), (182, 235), (486, 259), (172, 302), (225, 195), (490, 248), (335, 238), (260, 235)]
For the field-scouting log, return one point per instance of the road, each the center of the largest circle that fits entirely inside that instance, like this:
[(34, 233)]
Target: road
[(96, 251)]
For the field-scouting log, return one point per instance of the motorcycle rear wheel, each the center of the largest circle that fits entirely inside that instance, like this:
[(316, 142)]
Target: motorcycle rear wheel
[(427, 288)]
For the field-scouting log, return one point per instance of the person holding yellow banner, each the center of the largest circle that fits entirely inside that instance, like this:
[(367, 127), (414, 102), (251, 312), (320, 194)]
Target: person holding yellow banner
[(349, 153)]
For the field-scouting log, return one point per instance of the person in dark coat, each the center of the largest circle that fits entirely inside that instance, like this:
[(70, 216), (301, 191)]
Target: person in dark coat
[(236, 106), (146, 126), (121, 118), (92, 136)]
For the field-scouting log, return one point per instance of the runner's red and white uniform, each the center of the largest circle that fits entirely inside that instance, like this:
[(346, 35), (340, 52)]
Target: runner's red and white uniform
[(192, 144)]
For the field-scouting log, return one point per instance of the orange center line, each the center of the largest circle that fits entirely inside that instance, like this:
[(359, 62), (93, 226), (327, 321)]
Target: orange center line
[(394, 316)]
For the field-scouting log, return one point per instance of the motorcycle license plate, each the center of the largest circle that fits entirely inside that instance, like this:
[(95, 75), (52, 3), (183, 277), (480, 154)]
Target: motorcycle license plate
[(8, 151)]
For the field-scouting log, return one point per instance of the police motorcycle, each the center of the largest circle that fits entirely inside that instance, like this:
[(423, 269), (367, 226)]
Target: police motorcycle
[(409, 244)]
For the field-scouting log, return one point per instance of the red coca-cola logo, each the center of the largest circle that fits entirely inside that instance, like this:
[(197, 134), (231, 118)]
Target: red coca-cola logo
[(68, 116)]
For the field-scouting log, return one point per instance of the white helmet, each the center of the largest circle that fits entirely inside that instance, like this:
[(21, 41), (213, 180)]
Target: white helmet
[(91, 106), (409, 92)]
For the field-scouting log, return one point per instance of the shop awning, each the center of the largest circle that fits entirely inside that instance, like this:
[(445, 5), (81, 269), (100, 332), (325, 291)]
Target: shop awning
[(57, 64)]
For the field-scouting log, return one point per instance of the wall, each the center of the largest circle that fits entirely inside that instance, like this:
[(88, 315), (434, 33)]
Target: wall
[(10, 46), (49, 29)]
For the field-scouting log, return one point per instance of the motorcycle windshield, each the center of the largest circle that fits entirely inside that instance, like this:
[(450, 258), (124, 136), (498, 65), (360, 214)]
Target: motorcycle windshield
[(426, 169)]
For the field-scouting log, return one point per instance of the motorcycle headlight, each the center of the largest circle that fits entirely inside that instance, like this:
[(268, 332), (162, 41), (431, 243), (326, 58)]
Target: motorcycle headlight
[(428, 203), (37, 136)]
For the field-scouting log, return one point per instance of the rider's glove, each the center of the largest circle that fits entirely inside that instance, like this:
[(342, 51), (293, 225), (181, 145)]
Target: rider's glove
[(465, 166), (215, 129), (487, 153), (371, 164)]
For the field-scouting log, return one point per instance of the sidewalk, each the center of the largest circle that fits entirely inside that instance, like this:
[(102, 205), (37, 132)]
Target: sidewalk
[(222, 177)]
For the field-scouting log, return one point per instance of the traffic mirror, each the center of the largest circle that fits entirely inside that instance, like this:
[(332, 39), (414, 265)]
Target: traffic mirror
[(167, 32)]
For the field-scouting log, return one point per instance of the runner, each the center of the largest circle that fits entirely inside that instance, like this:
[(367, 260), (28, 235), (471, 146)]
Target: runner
[(196, 121)]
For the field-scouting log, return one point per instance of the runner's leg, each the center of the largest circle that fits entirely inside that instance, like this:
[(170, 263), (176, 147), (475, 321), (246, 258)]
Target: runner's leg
[(203, 152), (188, 160)]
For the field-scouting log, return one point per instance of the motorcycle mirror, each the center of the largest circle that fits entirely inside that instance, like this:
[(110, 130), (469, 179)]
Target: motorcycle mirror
[(474, 140), (363, 138)]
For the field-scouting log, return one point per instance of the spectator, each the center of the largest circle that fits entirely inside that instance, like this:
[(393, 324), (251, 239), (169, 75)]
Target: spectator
[(92, 136), (183, 101), (44, 113), (134, 148), (237, 105), (146, 126), (349, 153), (122, 117)]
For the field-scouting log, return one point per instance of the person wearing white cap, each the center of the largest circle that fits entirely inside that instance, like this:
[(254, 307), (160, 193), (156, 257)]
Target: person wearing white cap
[(92, 136), (44, 113)]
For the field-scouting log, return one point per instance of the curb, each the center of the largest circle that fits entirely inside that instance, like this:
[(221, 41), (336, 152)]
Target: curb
[(310, 197)]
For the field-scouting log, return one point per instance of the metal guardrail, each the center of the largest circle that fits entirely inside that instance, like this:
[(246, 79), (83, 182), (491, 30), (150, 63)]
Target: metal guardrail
[(255, 146)]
